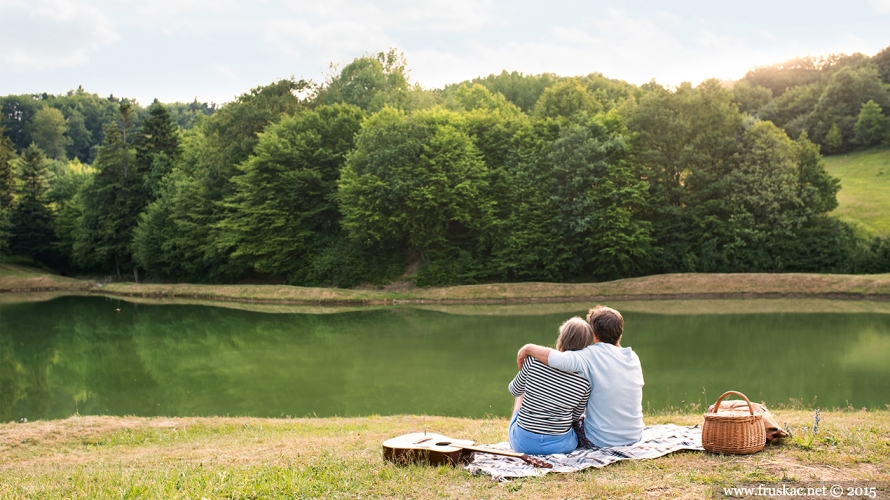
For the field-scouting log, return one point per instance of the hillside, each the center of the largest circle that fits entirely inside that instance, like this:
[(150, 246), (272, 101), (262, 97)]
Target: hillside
[(864, 197)]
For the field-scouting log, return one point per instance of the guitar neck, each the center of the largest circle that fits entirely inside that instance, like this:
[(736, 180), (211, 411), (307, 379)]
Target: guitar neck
[(495, 452), (537, 462)]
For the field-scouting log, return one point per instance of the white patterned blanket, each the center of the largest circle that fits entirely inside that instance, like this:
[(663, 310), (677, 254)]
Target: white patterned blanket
[(657, 441)]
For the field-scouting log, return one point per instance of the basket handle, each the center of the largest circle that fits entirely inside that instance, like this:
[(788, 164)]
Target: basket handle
[(727, 393)]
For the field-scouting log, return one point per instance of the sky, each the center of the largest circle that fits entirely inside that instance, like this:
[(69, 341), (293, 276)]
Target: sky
[(214, 50)]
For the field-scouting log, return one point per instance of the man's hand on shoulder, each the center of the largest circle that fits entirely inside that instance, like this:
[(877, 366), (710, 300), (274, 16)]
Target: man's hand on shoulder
[(538, 352), (521, 355)]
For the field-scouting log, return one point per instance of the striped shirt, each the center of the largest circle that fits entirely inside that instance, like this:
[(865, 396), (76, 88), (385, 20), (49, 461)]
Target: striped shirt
[(553, 398)]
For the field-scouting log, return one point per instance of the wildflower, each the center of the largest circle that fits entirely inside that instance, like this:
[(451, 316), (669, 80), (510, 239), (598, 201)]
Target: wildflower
[(816, 420)]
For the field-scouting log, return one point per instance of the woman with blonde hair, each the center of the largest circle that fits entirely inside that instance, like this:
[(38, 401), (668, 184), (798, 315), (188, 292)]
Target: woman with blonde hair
[(548, 400)]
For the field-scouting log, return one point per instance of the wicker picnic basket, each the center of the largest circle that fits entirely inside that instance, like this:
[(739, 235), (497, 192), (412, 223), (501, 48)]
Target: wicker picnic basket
[(733, 432)]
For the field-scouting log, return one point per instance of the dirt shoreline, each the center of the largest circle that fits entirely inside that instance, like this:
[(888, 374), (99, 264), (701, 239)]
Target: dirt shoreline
[(657, 287), (92, 290)]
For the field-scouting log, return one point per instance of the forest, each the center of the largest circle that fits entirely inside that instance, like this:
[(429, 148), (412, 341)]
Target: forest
[(367, 178)]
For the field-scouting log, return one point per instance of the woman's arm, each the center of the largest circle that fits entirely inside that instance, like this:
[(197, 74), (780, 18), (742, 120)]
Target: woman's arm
[(582, 405), (517, 386)]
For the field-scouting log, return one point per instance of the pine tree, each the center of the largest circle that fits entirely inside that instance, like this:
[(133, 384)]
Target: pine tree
[(111, 202), (7, 184), (7, 176), (31, 219), (157, 148)]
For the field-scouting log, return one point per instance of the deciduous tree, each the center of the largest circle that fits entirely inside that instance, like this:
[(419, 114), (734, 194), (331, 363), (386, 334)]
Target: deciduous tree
[(598, 201), (871, 125), (48, 129), (418, 180), (176, 236), (369, 82), (283, 206), (565, 99), (840, 103)]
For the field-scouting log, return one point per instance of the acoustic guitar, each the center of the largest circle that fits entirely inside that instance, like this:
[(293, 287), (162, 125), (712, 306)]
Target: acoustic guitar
[(436, 449)]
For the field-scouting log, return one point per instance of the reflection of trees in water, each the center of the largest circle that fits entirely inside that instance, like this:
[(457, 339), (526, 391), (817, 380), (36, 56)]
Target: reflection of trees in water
[(769, 357), (76, 355), (28, 388), (380, 361), (79, 353), (217, 361), (13, 377)]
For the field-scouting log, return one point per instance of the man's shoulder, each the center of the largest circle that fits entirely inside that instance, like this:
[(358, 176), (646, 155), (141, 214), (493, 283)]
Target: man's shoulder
[(620, 358), (614, 350), (559, 373)]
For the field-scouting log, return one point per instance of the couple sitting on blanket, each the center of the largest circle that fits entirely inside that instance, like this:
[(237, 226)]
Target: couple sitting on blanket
[(589, 374)]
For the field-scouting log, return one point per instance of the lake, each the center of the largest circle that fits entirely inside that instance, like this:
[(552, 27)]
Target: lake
[(77, 354)]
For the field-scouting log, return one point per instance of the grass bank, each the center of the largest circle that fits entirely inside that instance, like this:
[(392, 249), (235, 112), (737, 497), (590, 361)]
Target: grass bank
[(660, 287), (864, 198), (19, 278), (128, 457)]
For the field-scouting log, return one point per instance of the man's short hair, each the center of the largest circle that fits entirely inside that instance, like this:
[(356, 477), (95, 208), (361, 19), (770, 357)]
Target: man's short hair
[(607, 324)]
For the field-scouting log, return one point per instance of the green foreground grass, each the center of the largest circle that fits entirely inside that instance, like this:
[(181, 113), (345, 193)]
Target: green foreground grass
[(663, 287), (864, 198), (129, 457)]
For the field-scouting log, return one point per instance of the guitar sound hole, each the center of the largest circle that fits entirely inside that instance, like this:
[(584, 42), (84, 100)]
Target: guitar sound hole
[(443, 443)]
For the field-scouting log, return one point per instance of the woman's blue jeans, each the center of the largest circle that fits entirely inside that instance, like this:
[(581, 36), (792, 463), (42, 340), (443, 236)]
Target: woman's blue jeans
[(532, 443)]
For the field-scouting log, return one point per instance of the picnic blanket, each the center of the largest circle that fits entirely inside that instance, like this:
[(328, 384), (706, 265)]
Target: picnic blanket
[(657, 441)]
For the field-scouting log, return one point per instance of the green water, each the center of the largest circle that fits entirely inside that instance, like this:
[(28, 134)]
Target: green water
[(78, 354)]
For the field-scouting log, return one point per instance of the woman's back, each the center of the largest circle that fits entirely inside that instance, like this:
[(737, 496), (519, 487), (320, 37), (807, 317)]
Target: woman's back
[(552, 398)]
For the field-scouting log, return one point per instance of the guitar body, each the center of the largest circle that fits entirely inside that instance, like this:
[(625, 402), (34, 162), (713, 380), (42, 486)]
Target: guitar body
[(436, 449), (427, 448)]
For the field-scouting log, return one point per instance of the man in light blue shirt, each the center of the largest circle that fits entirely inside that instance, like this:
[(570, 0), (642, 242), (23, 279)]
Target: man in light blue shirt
[(614, 414)]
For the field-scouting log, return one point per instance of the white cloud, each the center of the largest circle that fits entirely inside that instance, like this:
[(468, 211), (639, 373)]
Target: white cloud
[(441, 15), (339, 30), (225, 73), (50, 34), (221, 47), (616, 45), (176, 7), (409, 15), (882, 6), (330, 41)]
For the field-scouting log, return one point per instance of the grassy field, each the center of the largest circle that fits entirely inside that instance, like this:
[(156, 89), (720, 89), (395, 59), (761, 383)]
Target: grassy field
[(128, 457), (668, 286), (864, 198), (15, 277)]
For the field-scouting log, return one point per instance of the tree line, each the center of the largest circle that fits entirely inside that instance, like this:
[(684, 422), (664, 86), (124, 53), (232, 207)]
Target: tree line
[(367, 178)]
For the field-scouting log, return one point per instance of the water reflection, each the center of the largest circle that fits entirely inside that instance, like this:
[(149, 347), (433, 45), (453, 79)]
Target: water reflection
[(78, 354)]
